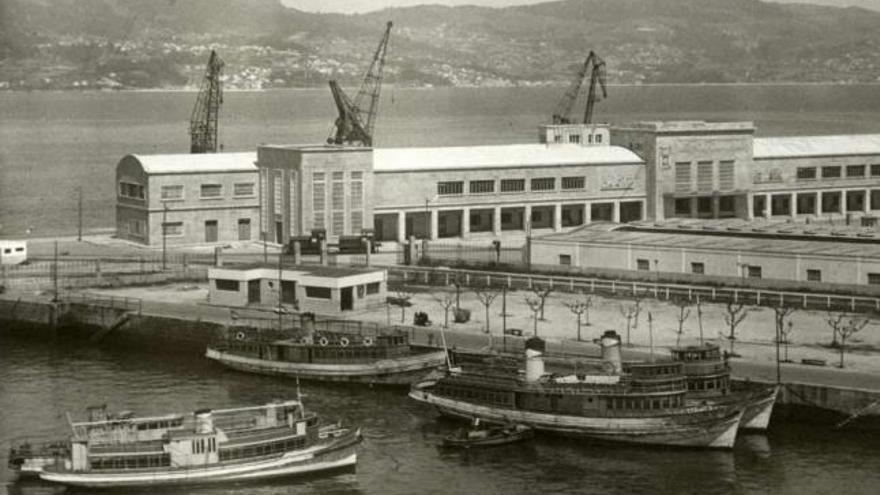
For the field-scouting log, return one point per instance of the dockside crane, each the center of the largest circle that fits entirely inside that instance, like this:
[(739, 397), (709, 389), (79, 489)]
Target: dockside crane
[(596, 67), (203, 123), (357, 117)]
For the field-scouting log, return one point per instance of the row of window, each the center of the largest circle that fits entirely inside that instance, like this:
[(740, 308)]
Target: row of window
[(644, 403), (716, 384), (576, 138), (487, 186), (749, 271), (706, 176), (210, 191), (160, 425), (202, 445), (9, 250), (264, 449), (835, 171), (481, 395), (131, 461)]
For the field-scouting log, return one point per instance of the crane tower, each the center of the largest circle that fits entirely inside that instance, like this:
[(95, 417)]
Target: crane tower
[(203, 123), (561, 114)]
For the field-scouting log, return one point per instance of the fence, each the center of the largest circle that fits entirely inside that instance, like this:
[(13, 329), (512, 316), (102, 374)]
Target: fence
[(455, 253), (633, 289)]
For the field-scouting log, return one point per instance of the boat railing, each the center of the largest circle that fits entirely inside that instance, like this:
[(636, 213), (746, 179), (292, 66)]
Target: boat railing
[(133, 447), (621, 388)]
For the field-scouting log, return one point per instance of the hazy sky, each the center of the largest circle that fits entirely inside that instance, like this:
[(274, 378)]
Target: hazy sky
[(351, 6)]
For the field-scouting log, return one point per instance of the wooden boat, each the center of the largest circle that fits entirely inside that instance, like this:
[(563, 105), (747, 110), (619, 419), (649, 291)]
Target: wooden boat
[(708, 379), (645, 406), (246, 443), (386, 358), (478, 436)]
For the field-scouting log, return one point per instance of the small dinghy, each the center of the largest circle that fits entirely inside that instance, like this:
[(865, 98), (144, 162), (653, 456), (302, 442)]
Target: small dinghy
[(481, 436)]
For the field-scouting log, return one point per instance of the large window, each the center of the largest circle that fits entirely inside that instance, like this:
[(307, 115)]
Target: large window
[(726, 175), (806, 173), (318, 292), (574, 182), (211, 190), (242, 189), (481, 186), (173, 228), (172, 192), (131, 190), (830, 172), (544, 184), (450, 188), (753, 271), (565, 259), (814, 275), (373, 288), (319, 194), (875, 170), (229, 285), (855, 170), (698, 268), (513, 185), (643, 265), (874, 278), (682, 176)]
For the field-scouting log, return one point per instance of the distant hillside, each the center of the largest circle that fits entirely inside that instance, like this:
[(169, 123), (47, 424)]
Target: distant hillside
[(163, 43)]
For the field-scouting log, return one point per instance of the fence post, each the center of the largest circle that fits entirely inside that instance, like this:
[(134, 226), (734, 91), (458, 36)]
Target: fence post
[(828, 302), (614, 286), (98, 271), (713, 293), (592, 286)]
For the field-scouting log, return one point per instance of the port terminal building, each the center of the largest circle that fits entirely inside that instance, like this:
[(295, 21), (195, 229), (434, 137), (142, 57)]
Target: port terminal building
[(573, 176)]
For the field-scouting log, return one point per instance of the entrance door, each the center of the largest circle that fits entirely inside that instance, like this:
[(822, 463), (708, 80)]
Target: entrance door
[(244, 229), (210, 230), (279, 232), (347, 299), (254, 291)]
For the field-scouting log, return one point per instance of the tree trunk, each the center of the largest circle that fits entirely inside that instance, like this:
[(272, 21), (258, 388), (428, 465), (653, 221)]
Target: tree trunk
[(842, 349)]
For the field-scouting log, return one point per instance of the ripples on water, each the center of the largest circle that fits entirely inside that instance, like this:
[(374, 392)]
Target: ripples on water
[(44, 380)]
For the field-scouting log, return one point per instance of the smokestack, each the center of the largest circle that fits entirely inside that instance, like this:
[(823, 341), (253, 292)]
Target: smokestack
[(610, 343), (535, 348), (204, 421)]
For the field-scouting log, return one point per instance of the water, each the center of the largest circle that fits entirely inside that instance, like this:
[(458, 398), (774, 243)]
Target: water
[(53, 143), (43, 380)]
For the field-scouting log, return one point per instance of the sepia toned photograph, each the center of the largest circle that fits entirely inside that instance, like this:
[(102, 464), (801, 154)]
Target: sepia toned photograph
[(440, 247)]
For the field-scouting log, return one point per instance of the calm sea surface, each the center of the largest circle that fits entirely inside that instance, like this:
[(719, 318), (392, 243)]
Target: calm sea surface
[(52, 143)]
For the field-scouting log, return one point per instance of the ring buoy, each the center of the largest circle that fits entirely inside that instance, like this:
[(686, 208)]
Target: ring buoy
[(323, 341), (368, 340), (239, 336), (343, 341)]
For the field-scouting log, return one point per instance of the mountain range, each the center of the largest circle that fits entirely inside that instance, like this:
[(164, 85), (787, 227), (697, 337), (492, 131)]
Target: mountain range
[(164, 43)]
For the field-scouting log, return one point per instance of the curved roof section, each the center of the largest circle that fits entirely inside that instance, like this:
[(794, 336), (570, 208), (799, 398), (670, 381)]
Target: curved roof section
[(500, 156), (197, 163), (806, 146)]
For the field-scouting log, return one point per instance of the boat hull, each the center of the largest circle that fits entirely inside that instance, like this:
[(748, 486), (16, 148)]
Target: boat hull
[(339, 454), (518, 436), (399, 371), (705, 427)]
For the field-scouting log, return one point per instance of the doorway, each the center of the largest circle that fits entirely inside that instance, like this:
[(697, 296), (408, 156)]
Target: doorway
[(210, 230), (347, 301), (254, 291)]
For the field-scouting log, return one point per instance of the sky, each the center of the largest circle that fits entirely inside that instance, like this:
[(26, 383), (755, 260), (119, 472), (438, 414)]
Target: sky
[(358, 6)]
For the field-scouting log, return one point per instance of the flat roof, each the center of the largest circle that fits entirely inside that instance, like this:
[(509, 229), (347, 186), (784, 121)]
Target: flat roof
[(806, 146), (197, 162), (499, 156), (309, 270), (697, 240)]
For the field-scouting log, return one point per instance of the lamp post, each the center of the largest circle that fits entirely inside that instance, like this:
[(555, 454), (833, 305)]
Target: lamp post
[(427, 221), (164, 232), (79, 231)]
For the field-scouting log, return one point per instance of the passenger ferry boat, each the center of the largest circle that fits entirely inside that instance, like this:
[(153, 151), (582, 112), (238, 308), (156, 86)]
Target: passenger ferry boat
[(386, 358), (708, 379), (647, 405), (247, 443)]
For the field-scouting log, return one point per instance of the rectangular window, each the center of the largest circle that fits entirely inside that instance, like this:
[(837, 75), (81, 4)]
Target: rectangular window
[(874, 278), (643, 265), (172, 192), (814, 275), (754, 271), (211, 190), (565, 259), (574, 138), (230, 285), (806, 173), (682, 176), (726, 176), (243, 189), (544, 184), (173, 228), (855, 170), (319, 193), (698, 268), (131, 190), (875, 170), (481, 186), (318, 292), (574, 182), (598, 138), (450, 188), (830, 172), (705, 180), (373, 288), (513, 185)]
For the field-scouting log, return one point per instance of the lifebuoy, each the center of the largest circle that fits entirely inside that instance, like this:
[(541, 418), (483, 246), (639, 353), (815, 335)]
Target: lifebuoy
[(323, 341), (239, 336), (368, 340), (343, 341)]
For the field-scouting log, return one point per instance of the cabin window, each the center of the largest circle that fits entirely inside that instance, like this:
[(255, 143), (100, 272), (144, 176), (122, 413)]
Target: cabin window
[(228, 285), (318, 292), (373, 288)]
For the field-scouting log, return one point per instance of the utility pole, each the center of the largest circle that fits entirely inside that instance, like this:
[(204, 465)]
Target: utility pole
[(280, 294), (164, 232), (79, 234), (263, 235), (55, 274)]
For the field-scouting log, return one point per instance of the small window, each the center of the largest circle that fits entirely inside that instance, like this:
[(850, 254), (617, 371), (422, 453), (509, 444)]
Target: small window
[(450, 188), (481, 186), (172, 192), (513, 185), (211, 190), (131, 190), (373, 288), (806, 173), (230, 285), (814, 275), (830, 172), (874, 278), (318, 292), (7, 251), (544, 184), (698, 268), (754, 271), (855, 170), (565, 259), (875, 170), (173, 228), (643, 265), (19, 249), (574, 138), (240, 189), (574, 182), (598, 138)]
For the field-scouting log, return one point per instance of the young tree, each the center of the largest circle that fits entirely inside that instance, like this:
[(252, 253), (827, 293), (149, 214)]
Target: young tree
[(835, 321), (535, 305), (542, 294), (445, 301), (402, 298), (785, 334), (684, 311), (736, 313), (628, 311), (782, 315), (579, 308), (852, 326), (457, 282), (486, 295), (636, 311)]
